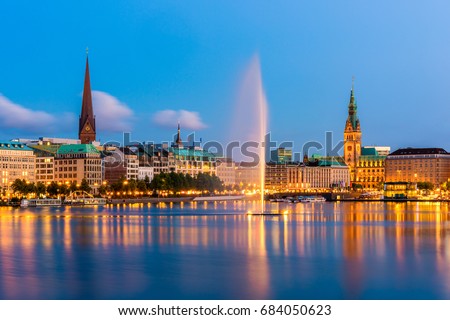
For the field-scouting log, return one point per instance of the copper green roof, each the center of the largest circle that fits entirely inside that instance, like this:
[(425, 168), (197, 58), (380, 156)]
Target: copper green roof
[(329, 163), (369, 151), (51, 149), (11, 145), (77, 149), (191, 153)]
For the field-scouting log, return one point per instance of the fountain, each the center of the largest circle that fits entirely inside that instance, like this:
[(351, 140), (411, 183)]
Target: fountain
[(251, 118)]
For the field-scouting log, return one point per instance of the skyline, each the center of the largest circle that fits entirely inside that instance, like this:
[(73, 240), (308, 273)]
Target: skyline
[(150, 61)]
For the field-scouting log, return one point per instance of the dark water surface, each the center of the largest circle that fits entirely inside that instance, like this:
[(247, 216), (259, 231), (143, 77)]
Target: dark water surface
[(217, 251)]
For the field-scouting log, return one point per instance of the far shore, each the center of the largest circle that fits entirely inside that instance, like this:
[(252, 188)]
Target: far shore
[(151, 200)]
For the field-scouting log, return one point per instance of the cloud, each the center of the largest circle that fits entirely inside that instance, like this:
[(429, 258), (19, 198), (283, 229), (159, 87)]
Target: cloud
[(110, 114), (13, 115), (170, 118)]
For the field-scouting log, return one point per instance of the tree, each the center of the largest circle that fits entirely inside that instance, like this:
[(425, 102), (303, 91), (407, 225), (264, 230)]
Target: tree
[(19, 186), (73, 187), (40, 189), (357, 186), (142, 185), (53, 189), (102, 189), (425, 185), (85, 186)]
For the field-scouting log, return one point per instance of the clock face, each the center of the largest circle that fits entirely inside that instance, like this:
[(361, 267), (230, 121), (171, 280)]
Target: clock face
[(87, 128)]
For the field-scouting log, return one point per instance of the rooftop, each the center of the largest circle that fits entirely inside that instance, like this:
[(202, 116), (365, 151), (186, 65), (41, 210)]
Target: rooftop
[(416, 151), (10, 145), (77, 149), (191, 152), (49, 149)]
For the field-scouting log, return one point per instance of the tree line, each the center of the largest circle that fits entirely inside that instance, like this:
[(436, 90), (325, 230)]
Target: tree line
[(53, 189), (172, 182), (166, 182)]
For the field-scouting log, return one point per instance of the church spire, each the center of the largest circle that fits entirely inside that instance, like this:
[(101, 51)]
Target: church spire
[(352, 119), (86, 130), (178, 141)]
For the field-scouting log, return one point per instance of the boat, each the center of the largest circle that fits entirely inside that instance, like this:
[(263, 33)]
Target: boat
[(313, 199), (25, 203), (85, 202), (291, 200), (82, 198)]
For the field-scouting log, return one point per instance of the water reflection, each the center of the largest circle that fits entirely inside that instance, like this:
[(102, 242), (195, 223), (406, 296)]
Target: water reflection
[(205, 250)]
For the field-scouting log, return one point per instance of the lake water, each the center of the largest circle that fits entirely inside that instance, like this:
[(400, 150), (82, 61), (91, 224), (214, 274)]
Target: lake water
[(351, 250)]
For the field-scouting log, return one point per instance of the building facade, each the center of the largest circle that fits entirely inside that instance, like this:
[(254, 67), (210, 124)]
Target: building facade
[(316, 174), (281, 155), (370, 168), (418, 165), (17, 161), (157, 156), (352, 138), (120, 163), (248, 176), (193, 161), (226, 171), (146, 172), (75, 162), (45, 161), (325, 174)]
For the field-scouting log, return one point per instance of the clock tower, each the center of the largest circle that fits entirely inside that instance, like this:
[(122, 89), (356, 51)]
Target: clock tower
[(86, 129), (352, 137)]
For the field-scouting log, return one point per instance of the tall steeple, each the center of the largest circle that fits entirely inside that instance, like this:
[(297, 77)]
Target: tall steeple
[(352, 119), (86, 129), (352, 137), (178, 141)]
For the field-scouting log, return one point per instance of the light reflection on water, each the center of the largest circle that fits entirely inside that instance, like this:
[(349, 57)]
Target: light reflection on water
[(205, 250)]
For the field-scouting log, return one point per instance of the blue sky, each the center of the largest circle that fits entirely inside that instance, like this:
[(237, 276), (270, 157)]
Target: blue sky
[(163, 60)]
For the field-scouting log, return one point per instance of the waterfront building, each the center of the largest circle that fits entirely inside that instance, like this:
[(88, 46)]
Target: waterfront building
[(370, 167), (314, 173), (86, 129), (276, 177), (157, 156), (17, 161), (247, 175), (323, 173), (75, 162), (194, 161), (120, 163), (352, 138), (45, 161), (418, 165), (400, 190), (146, 172), (281, 155), (226, 171), (284, 177)]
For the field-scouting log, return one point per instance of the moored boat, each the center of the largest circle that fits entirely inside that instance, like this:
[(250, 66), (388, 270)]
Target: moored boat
[(82, 198), (85, 202), (40, 203), (313, 199)]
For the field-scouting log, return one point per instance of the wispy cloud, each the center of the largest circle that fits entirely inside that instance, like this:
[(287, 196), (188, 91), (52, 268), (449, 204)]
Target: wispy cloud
[(111, 114), (13, 115), (169, 118)]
